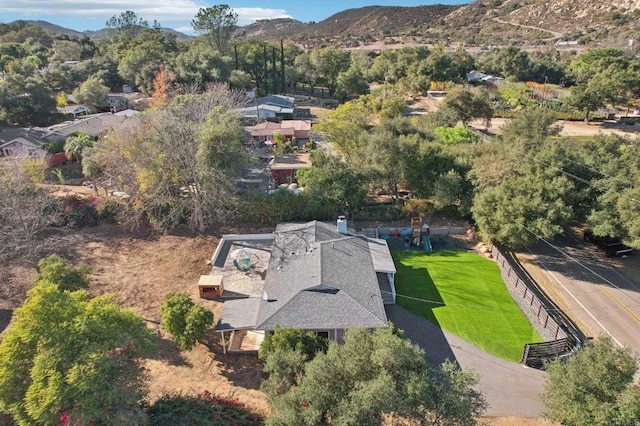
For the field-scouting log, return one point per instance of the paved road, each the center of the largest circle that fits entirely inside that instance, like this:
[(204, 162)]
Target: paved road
[(511, 389), (602, 295)]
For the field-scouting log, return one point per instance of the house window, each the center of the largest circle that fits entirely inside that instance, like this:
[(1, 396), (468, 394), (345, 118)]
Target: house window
[(32, 152), (324, 334), (7, 152)]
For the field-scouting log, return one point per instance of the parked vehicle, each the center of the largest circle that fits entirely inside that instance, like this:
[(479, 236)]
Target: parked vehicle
[(612, 246)]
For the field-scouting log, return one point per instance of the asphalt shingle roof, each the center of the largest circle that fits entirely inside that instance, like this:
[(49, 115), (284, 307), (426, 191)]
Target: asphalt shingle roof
[(307, 260)]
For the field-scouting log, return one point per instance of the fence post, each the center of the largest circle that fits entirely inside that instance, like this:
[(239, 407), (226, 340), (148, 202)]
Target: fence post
[(546, 321)]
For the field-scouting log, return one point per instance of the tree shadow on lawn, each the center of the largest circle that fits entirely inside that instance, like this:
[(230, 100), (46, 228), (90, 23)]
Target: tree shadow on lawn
[(417, 297)]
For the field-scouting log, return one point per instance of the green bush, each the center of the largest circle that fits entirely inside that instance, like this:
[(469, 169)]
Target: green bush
[(109, 210), (59, 271), (204, 409), (54, 147), (289, 339), (382, 212), (186, 321), (283, 206)]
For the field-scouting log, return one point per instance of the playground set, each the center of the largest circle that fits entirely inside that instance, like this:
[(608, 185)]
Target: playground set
[(417, 235)]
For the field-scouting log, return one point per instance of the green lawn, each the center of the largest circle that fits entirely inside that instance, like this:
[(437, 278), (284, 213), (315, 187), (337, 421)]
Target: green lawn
[(464, 294)]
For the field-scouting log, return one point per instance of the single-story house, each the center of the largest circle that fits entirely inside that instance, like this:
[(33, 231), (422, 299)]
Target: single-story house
[(313, 276), (284, 167), (277, 100), (272, 106), (300, 130), (25, 145), (77, 110), (93, 125), (263, 132), (264, 111)]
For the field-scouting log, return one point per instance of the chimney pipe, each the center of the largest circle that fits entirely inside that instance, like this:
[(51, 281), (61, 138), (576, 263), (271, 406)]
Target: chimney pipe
[(342, 225)]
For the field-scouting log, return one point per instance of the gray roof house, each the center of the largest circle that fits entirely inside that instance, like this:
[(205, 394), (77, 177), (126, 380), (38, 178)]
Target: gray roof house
[(314, 276), (19, 143)]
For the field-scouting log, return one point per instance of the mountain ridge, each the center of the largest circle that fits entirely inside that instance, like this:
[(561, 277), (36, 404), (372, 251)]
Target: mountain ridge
[(480, 23)]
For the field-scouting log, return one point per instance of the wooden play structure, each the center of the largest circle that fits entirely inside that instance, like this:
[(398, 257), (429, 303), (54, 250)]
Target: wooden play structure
[(420, 234), (210, 286)]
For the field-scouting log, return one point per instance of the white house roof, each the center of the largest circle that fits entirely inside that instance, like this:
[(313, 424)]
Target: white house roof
[(382, 260)]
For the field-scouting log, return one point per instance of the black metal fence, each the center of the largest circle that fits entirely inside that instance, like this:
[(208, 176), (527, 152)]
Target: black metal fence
[(562, 336)]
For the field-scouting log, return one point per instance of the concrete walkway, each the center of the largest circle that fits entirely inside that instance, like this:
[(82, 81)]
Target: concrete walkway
[(511, 389)]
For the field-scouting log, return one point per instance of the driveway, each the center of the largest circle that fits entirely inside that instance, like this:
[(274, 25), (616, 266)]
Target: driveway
[(511, 389)]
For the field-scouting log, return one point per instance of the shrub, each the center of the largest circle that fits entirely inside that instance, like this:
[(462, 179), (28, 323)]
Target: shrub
[(418, 207), (289, 339), (260, 208), (54, 147), (109, 210), (186, 321), (203, 409), (382, 212), (59, 271), (78, 211)]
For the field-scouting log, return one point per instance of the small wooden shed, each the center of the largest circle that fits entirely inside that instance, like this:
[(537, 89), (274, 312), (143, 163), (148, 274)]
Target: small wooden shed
[(210, 286)]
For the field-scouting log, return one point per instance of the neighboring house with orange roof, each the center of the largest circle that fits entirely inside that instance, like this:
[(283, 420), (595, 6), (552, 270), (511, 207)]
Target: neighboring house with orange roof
[(298, 130)]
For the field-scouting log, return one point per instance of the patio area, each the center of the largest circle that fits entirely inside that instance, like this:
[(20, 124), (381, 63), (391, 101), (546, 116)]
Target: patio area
[(242, 260)]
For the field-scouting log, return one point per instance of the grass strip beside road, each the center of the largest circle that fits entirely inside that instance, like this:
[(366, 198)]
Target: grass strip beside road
[(464, 294)]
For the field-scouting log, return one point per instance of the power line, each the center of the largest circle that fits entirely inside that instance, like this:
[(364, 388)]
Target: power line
[(435, 302)]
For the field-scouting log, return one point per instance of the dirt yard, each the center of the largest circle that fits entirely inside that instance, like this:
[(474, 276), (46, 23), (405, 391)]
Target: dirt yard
[(140, 271)]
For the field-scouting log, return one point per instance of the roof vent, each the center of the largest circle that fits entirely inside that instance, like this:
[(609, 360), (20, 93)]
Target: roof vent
[(322, 288)]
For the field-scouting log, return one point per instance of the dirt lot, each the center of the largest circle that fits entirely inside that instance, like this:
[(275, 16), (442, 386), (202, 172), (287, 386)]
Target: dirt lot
[(570, 128)]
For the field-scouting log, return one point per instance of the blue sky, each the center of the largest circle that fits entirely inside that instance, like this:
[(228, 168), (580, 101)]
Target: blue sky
[(83, 15)]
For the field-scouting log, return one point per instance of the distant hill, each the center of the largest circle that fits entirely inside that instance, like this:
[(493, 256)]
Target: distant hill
[(382, 20), (93, 35), (52, 28), (480, 23), (592, 22), (351, 27)]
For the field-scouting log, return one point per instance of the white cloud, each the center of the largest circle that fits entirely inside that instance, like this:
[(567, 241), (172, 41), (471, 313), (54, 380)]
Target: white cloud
[(248, 15), (169, 13)]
